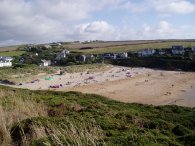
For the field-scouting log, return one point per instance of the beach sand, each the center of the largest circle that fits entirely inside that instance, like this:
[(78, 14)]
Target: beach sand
[(131, 85), (161, 88)]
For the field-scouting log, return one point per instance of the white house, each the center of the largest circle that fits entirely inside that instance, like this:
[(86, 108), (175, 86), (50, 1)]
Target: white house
[(45, 63), (178, 50), (146, 52), (83, 58), (124, 55), (5, 61), (5, 64), (62, 54)]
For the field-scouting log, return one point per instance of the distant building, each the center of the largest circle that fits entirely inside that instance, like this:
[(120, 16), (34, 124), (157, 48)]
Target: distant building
[(122, 55), (109, 56), (146, 52), (62, 54), (45, 63), (178, 50), (83, 58), (5, 61)]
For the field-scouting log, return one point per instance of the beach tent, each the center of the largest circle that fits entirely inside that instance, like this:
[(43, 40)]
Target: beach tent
[(48, 78)]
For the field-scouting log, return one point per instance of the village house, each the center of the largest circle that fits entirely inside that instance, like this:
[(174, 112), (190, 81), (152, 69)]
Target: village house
[(178, 50), (146, 52), (109, 56), (5, 61), (122, 55), (83, 58), (61, 55), (45, 63)]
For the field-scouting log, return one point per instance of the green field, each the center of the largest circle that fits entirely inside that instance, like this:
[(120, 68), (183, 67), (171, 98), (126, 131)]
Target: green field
[(11, 53), (133, 47), (40, 118)]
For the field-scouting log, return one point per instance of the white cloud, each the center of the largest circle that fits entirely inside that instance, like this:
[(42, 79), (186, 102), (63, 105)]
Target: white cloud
[(163, 30), (135, 7), (58, 20), (162, 7), (169, 7), (45, 20), (99, 30)]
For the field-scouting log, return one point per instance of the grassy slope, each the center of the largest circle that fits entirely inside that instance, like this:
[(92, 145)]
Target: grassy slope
[(11, 53), (81, 119), (30, 72), (134, 47)]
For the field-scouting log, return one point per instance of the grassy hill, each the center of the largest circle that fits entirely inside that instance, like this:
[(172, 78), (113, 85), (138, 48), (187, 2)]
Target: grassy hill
[(11, 53), (42, 118), (117, 47)]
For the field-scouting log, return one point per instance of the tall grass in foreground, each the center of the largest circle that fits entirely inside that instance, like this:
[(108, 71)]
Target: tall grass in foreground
[(13, 109), (66, 133), (24, 122)]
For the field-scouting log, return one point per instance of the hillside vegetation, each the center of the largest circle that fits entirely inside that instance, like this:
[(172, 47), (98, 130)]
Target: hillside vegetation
[(117, 48), (46, 118)]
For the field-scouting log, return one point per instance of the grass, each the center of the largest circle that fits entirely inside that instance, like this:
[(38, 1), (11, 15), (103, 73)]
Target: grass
[(56, 118), (134, 47), (31, 72), (11, 53), (26, 73), (86, 67)]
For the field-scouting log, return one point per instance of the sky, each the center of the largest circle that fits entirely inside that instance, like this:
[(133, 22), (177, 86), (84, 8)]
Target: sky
[(42, 21)]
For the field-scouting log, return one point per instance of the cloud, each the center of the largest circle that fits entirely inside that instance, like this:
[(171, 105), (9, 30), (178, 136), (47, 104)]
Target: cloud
[(135, 7), (162, 7), (170, 7), (163, 30), (39, 21), (97, 30), (45, 20)]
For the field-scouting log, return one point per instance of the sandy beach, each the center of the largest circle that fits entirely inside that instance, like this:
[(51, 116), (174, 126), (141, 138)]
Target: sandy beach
[(124, 84), (171, 88)]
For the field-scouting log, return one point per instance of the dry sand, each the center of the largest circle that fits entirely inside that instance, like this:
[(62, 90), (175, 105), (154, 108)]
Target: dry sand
[(159, 90), (138, 85)]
